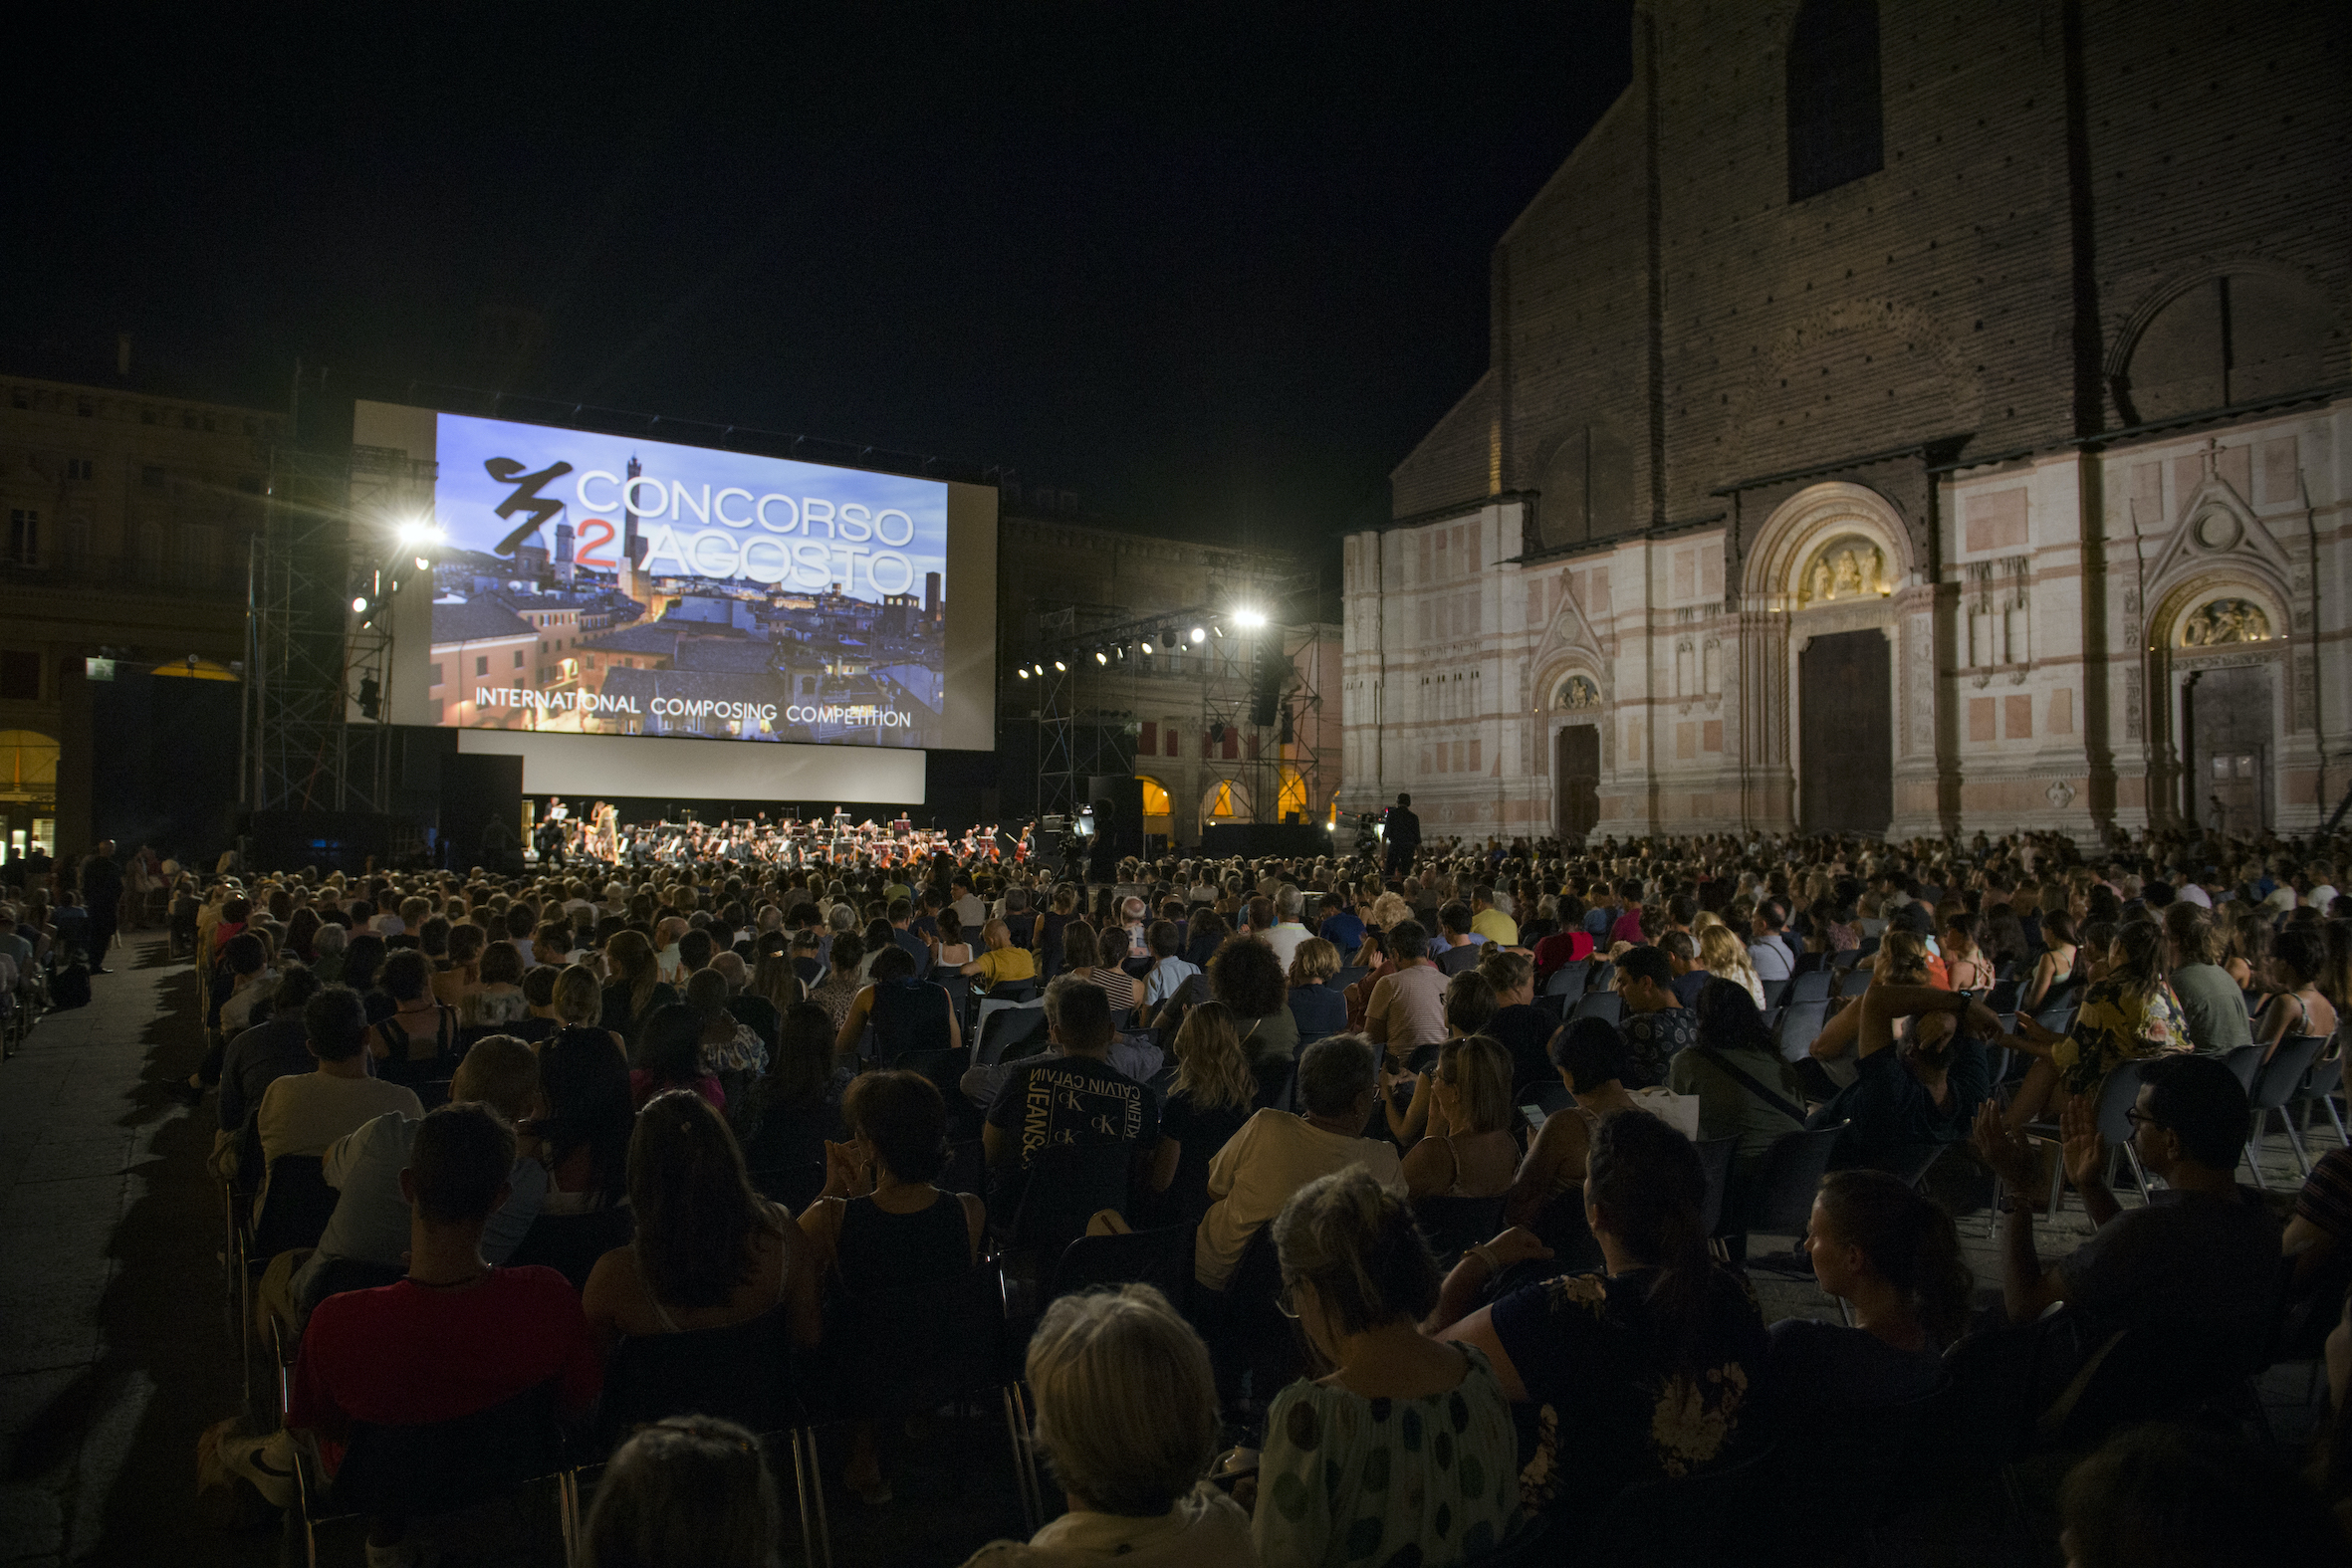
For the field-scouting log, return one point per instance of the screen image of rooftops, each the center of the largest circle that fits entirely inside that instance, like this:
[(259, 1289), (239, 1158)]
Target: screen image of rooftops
[(604, 584)]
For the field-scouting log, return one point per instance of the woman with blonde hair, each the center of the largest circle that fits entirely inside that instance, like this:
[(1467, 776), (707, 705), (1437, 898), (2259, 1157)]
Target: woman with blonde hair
[(579, 1005), (1468, 1150), (1214, 1093), (1346, 1476), (1388, 911), (1723, 956), (1127, 1418), (1902, 959)]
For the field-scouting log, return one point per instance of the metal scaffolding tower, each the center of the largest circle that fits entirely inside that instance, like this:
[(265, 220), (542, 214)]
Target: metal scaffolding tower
[(1077, 740), (329, 540), (1074, 743)]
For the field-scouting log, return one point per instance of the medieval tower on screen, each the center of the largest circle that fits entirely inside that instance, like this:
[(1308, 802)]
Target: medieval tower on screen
[(1899, 418)]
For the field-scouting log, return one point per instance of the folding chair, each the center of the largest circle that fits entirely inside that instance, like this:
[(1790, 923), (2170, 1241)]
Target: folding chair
[(1161, 1258), (909, 1352), (1569, 981), (1798, 1027), (1018, 1023), (420, 1473), (1715, 1158), (2118, 1092), (1550, 1097), (2278, 1082), (1781, 1203), (2327, 1076), (1606, 1006)]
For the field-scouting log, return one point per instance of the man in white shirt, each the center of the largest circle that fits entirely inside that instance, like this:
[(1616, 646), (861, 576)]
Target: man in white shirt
[(370, 1220), (305, 1112), (1765, 950), (1288, 931), (1275, 1153), (967, 905), (2323, 885), (1168, 972)]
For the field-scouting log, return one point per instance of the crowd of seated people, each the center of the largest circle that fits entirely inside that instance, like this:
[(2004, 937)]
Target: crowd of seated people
[(473, 1061)]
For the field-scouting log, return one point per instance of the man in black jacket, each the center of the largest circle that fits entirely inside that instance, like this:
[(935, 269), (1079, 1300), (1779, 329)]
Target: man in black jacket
[(1402, 835), (101, 894)]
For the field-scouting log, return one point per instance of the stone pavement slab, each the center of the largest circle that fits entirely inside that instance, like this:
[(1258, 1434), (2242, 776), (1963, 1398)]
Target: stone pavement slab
[(114, 1347)]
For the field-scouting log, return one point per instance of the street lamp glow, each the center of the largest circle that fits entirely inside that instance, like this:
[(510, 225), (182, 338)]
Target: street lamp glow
[(1247, 619)]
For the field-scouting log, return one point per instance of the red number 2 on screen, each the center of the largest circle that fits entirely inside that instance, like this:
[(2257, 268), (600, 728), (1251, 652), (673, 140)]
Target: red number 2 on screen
[(590, 539)]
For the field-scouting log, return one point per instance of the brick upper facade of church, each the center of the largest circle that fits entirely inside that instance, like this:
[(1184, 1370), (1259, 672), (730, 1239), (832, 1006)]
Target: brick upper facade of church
[(1899, 418)]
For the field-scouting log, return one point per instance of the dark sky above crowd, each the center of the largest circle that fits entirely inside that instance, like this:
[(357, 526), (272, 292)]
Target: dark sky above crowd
[(1213, 268)]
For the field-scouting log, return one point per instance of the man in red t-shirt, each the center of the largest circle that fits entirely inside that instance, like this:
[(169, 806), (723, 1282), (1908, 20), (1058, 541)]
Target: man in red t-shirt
[(456, 1336), (1629, 924), (1569, 945)]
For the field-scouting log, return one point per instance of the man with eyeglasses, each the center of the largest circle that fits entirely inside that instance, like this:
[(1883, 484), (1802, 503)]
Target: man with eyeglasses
[(2202, 1254)]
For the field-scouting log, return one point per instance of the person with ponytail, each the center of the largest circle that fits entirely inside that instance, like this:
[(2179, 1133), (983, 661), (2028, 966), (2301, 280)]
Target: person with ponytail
[(1346, 1452), (1893, 1254), (1642, 1373), (2127, 1014)]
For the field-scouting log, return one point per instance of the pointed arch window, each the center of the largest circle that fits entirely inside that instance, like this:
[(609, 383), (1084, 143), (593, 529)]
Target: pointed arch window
[(1834, 125)]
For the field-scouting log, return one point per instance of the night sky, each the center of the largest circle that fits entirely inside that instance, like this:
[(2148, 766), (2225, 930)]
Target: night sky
[(1216, 275)]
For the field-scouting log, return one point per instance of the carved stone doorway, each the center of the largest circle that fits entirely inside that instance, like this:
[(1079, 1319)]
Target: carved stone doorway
[(2228, 747), (1846, 744), (1575, 776)]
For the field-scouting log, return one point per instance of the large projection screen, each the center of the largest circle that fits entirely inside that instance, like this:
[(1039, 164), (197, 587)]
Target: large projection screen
[(618, 590)]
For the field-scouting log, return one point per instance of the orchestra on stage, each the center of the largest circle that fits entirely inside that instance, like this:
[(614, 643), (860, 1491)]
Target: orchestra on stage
[(562, 837)]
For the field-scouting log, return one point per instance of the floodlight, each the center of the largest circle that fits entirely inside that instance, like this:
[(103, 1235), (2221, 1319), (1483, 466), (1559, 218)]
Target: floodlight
[(1247, 619), (420, 530), (359, 605), (1147, 645), (1025, 672), (1198, 635), (1057, 664), (1102, 657)]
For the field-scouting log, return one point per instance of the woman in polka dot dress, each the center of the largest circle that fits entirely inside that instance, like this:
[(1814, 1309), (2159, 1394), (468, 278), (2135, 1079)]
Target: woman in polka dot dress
[(1405, 1451)]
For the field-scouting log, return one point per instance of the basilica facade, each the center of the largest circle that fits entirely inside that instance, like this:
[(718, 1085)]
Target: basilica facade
[(1898, 419)]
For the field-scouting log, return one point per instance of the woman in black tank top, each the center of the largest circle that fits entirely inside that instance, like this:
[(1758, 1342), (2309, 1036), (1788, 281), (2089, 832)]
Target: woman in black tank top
[(881, 1225), (877, 1251)]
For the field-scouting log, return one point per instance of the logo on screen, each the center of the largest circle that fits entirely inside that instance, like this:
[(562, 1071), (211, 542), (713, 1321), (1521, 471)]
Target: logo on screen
[(524, 498)]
